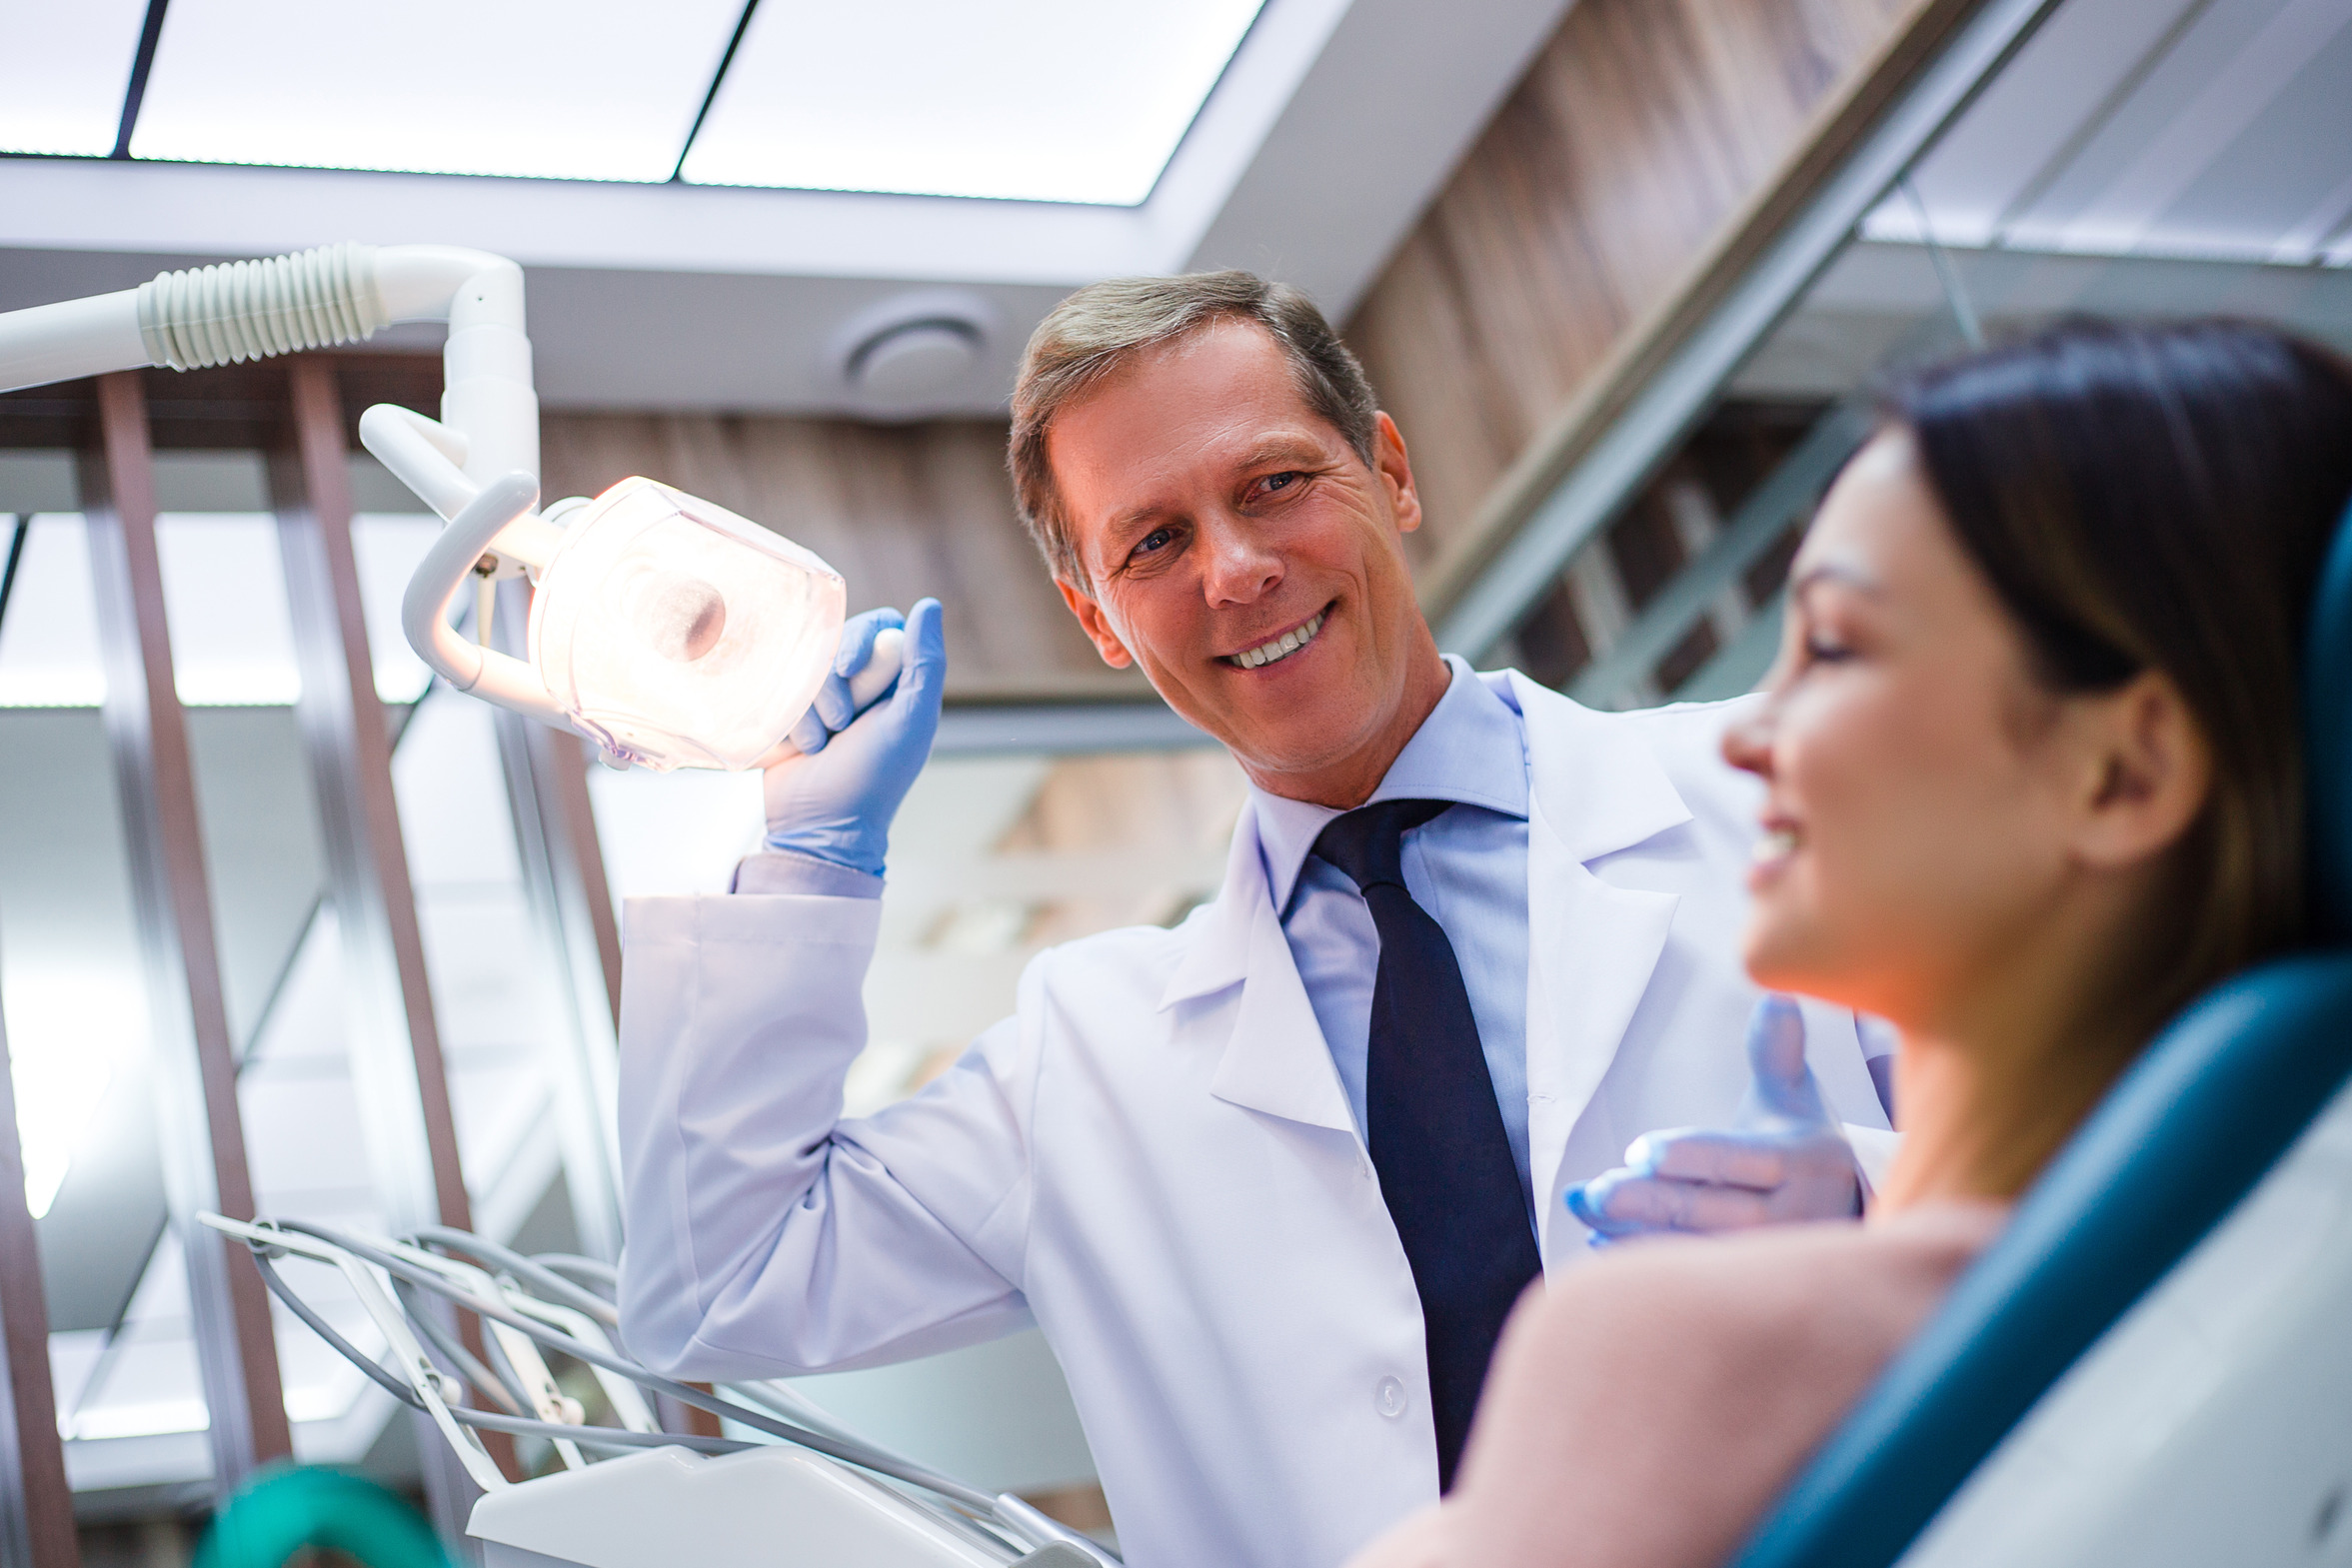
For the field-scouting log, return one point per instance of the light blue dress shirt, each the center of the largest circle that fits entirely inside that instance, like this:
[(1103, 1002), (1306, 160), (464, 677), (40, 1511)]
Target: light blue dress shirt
[(1468, 868)]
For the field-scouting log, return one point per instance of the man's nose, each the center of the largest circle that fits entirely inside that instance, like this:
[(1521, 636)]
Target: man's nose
[(1241, 567)]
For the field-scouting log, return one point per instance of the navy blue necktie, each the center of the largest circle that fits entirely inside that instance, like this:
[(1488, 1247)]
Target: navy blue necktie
[(1436, 1138)]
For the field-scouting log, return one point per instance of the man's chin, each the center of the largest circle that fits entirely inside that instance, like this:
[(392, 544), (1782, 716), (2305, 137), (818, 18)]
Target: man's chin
[(1294, 750), (1288, 728)]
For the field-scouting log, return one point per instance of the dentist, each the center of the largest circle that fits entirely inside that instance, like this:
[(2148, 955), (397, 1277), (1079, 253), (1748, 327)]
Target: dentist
[(1268, 1181)]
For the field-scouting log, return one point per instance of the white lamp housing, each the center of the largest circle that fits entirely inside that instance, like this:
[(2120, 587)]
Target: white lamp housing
[(678, 635), (666, 630), (669, 630)]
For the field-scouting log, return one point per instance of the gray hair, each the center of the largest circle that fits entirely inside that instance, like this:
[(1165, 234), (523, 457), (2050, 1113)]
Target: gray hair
[(1106, 326)]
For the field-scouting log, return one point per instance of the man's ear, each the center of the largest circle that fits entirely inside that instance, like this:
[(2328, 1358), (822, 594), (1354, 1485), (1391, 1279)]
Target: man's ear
[(1395, 470), (1098, 624), (2148, 772)]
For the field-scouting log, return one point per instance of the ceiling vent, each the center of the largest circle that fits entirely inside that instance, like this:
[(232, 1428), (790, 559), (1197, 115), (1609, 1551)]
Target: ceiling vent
[(913, 353)]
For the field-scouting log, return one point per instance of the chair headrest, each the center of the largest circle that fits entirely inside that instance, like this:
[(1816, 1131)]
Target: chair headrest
[(2327, 739), (2189, 1130)]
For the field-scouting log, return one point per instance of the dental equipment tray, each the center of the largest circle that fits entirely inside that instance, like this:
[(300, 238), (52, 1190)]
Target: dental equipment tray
[(807, 1494)]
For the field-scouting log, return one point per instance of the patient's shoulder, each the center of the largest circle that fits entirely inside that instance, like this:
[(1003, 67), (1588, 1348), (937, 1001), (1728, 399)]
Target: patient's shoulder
[(1700, 1370), (1793, 1285)]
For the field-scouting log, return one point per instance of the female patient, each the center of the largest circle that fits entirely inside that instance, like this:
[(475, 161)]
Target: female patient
[(2032, 781)]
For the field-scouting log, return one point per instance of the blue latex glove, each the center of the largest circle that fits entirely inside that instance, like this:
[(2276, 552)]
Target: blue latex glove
[(1783, 1157), (834, 799)]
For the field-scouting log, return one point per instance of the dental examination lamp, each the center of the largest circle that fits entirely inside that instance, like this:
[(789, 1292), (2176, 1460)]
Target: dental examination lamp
[(666, 630)]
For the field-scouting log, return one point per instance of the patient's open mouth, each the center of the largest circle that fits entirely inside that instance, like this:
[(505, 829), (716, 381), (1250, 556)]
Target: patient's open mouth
[(1275, 650)]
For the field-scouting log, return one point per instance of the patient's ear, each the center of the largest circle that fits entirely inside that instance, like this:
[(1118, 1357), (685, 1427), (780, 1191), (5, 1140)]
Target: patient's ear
[(2145, 771), (1098, 624)]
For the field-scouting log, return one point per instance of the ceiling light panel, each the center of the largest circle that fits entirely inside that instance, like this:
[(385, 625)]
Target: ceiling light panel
[(562, 89), (1033, 100), (63, 72)]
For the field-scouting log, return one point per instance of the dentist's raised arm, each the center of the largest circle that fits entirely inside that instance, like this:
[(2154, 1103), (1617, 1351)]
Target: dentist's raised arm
[(764, 1231)]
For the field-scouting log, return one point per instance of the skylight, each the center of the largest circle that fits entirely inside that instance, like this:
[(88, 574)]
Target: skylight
[(1037, 100), (566, 89), (62, 75), (1068, 100)]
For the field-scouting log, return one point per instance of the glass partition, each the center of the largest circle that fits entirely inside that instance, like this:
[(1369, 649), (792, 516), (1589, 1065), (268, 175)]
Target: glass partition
[(2135, 158)]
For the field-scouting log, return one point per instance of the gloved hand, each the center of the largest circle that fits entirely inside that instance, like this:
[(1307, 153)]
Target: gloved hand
[(833, 798), (1783, 1157)]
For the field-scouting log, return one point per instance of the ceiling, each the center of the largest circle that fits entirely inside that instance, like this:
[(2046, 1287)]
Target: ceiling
[(2201, 129), (974, 161)]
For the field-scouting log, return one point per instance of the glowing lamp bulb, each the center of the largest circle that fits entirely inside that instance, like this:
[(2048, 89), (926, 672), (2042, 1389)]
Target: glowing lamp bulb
[(678, 635)]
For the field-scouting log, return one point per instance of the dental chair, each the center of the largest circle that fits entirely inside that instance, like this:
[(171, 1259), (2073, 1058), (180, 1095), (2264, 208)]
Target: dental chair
[(2153, 1364)]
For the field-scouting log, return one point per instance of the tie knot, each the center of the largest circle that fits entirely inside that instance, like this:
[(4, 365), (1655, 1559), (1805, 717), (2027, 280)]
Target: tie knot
[(1368, 844)]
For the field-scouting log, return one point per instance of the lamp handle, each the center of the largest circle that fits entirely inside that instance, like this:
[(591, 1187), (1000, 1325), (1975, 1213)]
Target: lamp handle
[(424, 608), (425, 455), (882, 667), (866, 687)]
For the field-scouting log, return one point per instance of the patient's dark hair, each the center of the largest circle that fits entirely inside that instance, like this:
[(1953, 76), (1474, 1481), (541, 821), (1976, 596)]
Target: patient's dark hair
[(2161, 497)]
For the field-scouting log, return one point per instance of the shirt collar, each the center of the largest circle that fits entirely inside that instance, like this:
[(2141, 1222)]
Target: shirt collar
[(1472, 749)]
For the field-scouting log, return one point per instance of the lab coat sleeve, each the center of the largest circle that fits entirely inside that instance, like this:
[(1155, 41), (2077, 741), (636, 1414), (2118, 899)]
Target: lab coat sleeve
[(766, 1236)]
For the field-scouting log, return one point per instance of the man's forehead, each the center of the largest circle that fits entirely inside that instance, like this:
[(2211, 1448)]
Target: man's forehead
[(1221, 397), (1143, 480)]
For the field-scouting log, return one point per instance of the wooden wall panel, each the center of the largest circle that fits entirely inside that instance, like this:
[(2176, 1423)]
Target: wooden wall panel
[(1640, 129), (899, 511)]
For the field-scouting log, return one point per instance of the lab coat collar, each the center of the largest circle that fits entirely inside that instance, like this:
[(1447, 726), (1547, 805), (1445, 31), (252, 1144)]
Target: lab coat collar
[(1595, 788), (1594, 782), (1219, 953), (1276, 1059), (1592, 947)]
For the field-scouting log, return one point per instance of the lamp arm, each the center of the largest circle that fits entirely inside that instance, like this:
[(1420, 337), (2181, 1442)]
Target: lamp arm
[(478, 466), (72, 339), (309, 299), (424, 608)]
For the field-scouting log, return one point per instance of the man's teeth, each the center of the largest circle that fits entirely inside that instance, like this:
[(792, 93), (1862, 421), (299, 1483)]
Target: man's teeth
[(1774, 844), (1281, 646)]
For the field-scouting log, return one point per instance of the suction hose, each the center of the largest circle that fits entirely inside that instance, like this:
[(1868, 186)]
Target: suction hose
[(251, 309), (248, 310)]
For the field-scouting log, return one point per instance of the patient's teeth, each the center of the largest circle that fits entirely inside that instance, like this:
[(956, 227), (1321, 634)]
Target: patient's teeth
[(1774, 844)]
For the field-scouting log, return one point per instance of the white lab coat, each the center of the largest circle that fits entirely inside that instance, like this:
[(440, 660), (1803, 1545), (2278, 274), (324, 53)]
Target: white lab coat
[(1154, 1160)]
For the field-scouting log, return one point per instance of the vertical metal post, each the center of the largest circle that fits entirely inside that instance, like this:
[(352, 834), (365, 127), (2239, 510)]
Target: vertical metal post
[(396, 1046), (396, 1059), (572, 905), (36, 1503), (200, 1130)]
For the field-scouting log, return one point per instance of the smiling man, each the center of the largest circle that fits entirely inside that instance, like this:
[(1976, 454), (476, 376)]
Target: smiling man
[(1271, 1180)]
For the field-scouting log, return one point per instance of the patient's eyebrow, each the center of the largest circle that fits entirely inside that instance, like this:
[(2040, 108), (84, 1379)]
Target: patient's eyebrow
[(1851, 576)]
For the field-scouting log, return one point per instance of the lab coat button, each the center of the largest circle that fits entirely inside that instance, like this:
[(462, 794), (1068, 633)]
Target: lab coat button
[(1389, 1397)]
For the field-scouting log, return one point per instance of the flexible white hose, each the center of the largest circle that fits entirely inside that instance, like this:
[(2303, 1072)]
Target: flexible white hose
[(246, 310)]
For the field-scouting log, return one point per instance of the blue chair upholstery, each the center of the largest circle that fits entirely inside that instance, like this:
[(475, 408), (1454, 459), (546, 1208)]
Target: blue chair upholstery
[(2185, 1134)]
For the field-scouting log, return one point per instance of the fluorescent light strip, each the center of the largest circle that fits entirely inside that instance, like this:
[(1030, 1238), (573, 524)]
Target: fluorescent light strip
[(63, 73), (591, 90), (1035, 100)]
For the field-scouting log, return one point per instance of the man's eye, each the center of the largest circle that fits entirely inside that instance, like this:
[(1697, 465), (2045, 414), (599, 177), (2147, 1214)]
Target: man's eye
[(1153, 541), (1824, 651), (1284, 481)]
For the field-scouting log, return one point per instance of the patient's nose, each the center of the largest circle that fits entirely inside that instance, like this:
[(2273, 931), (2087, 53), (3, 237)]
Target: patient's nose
[(1747, 741)]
